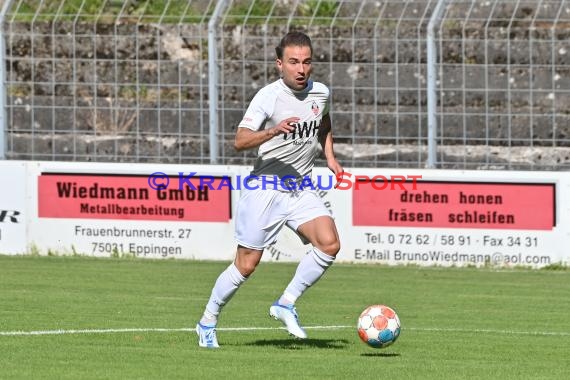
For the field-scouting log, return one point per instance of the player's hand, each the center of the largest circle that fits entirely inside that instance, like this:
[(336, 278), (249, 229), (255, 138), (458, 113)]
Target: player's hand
[(285, 126), (336, 168)]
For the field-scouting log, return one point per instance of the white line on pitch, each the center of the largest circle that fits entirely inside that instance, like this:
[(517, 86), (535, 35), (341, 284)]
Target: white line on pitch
[(189, 329), (490, 331), (127, 330)]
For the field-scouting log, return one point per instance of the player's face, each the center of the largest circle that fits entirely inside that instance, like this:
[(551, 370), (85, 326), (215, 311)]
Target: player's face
[(295, 67)]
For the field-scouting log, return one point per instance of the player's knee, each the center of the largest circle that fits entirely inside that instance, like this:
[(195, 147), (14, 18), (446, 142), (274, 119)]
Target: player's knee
[(248, 270), (247, 261), (245, 267), (330, 247)]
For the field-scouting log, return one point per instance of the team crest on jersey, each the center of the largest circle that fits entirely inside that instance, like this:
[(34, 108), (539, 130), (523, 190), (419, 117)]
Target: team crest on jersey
[(315, 108)]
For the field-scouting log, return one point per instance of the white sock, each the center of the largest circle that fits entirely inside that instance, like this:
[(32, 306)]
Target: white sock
[(310, 270), (225, 287)]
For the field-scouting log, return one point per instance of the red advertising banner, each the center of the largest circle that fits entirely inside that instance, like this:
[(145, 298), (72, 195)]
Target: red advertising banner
[(518, 206), (108, 196)]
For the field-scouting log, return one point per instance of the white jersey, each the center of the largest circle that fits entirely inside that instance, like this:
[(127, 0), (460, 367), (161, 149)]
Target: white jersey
[(292, 154)]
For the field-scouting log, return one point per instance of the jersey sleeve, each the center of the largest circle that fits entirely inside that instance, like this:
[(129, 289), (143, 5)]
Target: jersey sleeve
[(259, 110), (327, 108)]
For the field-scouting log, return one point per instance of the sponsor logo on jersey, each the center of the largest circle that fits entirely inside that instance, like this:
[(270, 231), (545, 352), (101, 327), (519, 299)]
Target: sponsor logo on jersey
[(304, 129)]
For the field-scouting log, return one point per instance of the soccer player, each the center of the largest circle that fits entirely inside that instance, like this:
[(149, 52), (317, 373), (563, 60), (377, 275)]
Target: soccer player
[(288, 120)]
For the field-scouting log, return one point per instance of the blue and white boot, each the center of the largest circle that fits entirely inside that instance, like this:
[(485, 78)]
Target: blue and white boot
[(288, 315), (207, 336)]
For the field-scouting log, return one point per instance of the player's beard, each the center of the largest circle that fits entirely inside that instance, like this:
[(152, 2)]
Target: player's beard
[(296, 83)]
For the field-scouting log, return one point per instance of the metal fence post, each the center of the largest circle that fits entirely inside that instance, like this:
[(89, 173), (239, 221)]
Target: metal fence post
[(431, 84), (3, 121), (213, 80)]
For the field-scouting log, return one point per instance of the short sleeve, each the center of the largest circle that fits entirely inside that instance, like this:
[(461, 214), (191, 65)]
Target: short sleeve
[(327, 108), (259, 110)]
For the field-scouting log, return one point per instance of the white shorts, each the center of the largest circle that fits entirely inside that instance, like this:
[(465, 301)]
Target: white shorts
[(262, 213)]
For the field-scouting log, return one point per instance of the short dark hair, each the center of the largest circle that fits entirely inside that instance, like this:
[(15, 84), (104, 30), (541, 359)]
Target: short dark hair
[(293, 39)]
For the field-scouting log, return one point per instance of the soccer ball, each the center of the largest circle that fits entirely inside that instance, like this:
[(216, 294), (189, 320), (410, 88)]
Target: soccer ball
[(378, 326)]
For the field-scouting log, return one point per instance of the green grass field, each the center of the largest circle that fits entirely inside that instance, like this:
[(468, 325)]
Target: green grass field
[(127, 319)]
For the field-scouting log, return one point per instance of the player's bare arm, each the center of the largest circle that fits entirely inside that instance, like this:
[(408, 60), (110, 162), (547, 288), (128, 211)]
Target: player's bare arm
[(326, 141), (248, 139)]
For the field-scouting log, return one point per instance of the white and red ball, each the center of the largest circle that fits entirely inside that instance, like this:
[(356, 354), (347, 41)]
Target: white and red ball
[(378, 326)]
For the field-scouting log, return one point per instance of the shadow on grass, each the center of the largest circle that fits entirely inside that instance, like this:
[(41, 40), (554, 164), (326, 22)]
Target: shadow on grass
[(296, 344), (381, 354)]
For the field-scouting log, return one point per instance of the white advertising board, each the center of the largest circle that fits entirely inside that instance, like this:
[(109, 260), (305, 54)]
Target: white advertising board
[(389, 216), (142, 210), (452, 218), (13, 210)]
